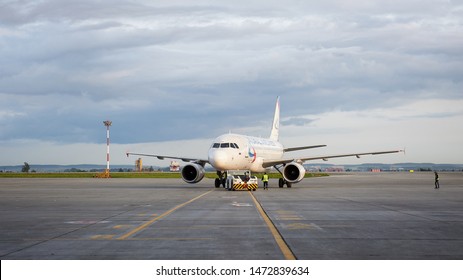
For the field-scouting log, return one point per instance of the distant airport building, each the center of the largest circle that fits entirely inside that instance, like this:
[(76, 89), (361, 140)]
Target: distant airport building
[(174, 166), (313, 168), (335, 169)]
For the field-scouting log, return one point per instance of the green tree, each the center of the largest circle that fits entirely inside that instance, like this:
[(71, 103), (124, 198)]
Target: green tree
[(26, 168)]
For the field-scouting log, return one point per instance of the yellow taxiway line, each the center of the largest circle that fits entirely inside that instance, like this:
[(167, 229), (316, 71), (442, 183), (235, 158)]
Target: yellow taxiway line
[(150, 222), (288, 254)]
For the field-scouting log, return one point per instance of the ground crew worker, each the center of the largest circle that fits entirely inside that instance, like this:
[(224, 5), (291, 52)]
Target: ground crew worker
[(265, 180), (436, 180)]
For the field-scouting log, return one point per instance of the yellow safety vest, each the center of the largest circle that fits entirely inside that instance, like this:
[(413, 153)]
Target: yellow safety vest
[(265, 178)]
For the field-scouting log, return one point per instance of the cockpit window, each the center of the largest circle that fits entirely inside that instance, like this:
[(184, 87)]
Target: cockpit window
[(225, 145)]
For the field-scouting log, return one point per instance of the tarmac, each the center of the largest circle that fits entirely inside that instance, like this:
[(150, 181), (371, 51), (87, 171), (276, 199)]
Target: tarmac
[(353, 216)]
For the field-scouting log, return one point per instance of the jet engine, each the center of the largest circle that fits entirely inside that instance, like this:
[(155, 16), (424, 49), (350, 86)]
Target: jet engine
[(293, 172), (192, 173)]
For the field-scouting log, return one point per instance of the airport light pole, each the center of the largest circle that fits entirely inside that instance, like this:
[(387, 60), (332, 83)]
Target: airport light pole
[(107, 123)]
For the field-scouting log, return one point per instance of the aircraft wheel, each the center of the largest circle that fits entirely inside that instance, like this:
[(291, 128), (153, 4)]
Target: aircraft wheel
[(217, 182), (288, 185), (281, 182)]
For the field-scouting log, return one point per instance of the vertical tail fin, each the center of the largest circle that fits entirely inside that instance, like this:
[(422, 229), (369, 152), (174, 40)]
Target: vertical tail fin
[(274, 134)]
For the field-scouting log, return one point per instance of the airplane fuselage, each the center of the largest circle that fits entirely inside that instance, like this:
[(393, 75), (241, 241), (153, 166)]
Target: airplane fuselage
[(240, 152)]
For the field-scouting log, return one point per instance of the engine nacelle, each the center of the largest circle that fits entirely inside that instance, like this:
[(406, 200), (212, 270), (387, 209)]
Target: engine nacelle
[(192, 173), (294, 172)]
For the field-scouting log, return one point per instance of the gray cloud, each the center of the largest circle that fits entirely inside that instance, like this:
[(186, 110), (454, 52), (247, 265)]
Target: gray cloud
[(297, 121), (176, 70)]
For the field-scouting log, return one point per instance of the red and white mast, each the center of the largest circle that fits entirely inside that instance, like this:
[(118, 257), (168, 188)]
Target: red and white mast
[(107, 124)]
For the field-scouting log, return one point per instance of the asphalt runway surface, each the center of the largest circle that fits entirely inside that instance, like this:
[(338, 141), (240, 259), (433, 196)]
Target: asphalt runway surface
[(358, 216)]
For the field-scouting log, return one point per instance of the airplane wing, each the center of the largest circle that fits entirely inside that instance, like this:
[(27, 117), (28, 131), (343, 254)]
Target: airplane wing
[(302, 148), (194, 160), (325, 158)]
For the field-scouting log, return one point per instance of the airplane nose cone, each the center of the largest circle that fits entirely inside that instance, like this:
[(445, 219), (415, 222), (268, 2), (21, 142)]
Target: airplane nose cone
[(218, 159)]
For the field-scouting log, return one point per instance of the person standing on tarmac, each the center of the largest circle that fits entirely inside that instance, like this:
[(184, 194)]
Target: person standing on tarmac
[(265, 180), (436, 180)]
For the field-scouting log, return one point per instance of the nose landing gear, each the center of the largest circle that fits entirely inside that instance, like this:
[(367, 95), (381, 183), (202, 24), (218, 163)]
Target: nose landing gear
[(221, 180)]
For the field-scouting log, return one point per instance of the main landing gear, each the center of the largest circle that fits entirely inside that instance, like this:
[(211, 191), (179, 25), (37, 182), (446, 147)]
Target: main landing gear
[(282, 181)]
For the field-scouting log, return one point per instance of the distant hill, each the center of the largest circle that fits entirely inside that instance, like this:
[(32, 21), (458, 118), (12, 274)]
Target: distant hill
[(66, 168), (309, 167), (388, 167)]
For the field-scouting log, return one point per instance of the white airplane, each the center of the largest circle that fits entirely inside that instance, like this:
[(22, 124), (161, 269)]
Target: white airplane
[(241, 152)]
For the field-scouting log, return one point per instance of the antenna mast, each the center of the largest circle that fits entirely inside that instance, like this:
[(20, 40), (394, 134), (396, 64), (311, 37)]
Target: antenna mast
[(107, 123)]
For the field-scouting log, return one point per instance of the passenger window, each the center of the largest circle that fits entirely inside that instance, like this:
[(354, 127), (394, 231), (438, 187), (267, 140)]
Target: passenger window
[(225, 145), (216, 145)]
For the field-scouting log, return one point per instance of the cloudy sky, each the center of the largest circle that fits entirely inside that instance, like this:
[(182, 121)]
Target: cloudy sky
[(357, 75)]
